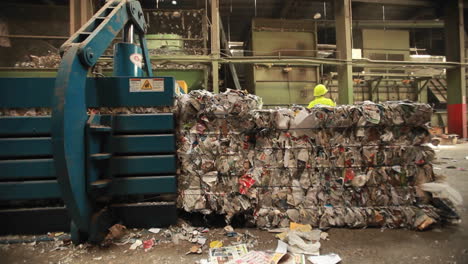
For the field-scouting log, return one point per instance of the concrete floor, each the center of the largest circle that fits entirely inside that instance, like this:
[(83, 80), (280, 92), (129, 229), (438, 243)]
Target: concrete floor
[(448, 244)]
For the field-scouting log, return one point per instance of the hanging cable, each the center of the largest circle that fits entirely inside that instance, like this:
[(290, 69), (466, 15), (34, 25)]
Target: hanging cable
[(325, 10), (255, 4), (351, 26), (383, 17), (325, 17), (229, 30)]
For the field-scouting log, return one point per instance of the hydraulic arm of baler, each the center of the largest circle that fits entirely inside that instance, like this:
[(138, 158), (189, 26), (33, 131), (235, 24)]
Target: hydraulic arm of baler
[(69, 114)]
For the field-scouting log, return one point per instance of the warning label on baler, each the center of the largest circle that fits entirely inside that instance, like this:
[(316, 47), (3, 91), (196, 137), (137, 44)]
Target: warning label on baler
[(146, 85)]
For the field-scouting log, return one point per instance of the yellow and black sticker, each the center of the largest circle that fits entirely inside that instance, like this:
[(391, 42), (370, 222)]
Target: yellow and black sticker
[(147, 85)]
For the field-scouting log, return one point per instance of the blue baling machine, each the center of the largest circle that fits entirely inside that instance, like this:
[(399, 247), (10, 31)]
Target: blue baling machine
[(81, 171)]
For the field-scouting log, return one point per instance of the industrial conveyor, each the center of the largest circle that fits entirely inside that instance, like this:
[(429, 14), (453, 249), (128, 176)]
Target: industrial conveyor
[(78, 171)]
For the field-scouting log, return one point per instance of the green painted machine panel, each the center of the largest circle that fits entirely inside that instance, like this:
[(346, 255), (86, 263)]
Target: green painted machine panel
[(279, 93), (276, 43), (279, 74), (171, 42), (285, 84), (27, 73), (195, 78)]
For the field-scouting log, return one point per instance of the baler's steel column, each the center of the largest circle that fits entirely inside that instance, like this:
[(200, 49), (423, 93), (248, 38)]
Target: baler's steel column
[(69, 113), (128, 60), (68, 140), (128, 34)]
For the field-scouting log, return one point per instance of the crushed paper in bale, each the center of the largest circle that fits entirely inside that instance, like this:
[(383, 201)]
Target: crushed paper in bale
[(348, 166)]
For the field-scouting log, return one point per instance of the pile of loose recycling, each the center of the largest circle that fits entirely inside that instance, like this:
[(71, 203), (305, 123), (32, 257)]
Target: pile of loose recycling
[(348, 166)]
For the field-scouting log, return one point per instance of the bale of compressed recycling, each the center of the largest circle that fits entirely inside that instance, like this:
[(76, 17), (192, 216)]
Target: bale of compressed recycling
[(352, 165)]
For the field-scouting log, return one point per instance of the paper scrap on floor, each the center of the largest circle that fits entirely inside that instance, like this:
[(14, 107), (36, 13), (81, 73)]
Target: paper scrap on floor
[(223, 255), (325, 259), (253, 257)]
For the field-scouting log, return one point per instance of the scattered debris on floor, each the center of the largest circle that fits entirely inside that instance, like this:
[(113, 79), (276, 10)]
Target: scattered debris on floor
[(294, 244), (154, 230), (196, 249), (456, 168), (224, 254), (116, 231), (136, 244), (325, 259), (148, 244)]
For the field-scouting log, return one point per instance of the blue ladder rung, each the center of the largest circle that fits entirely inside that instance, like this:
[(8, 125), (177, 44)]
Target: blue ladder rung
[(101, 156), (100, 128), (99, 184)]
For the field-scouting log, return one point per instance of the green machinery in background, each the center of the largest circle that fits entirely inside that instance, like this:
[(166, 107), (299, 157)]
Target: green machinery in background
[(280, 83)]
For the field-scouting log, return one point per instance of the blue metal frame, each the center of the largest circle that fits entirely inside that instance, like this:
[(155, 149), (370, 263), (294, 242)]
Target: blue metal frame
[(99, 92), (131, 124)]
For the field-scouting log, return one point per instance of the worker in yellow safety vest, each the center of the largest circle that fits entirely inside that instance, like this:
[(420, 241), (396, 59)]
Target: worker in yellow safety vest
[(320, 99)]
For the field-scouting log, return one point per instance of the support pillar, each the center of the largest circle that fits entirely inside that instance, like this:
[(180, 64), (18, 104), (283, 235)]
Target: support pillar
[(456, 83), (215, 44), (344, 50), (421, 88), (80, 12)]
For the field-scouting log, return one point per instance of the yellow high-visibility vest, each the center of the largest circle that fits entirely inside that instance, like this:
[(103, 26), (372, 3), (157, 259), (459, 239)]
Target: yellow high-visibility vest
[(321, 100)]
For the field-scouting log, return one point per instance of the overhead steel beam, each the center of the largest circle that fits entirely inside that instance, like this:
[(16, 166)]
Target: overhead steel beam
[(388, 24), (427, 3), (344, 51), (456, 77), (280, 60)]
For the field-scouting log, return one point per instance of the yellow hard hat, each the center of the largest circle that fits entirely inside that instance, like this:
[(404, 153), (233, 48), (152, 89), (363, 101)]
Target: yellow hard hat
[(320, 90)]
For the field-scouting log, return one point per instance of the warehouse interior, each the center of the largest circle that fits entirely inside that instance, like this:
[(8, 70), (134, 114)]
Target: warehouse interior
[(115, 114)]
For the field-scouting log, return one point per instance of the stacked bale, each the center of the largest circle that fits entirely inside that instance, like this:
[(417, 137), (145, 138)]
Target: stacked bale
[(353, 165)]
